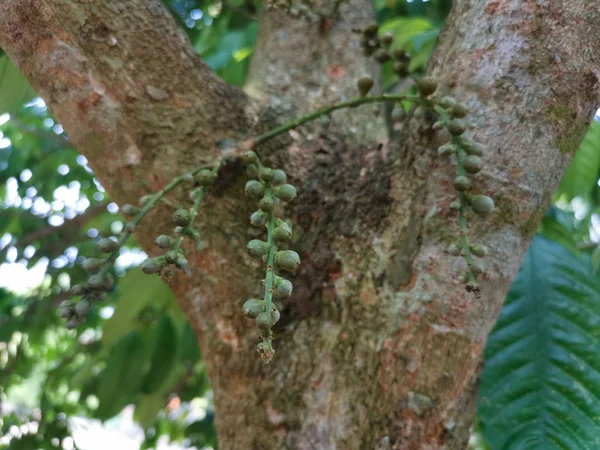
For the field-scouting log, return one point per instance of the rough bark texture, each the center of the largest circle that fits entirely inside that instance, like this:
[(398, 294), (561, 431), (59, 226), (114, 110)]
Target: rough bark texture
[(379, 347)]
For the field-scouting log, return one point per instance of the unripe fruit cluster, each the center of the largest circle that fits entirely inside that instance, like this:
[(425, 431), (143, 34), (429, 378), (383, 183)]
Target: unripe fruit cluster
[(269, 187), (380, 47)]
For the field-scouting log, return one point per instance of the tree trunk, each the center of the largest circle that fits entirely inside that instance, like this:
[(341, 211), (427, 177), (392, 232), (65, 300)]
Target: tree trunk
[(379, 347)]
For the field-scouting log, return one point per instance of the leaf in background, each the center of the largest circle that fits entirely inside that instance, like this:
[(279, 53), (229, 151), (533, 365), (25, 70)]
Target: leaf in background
[(123, 375), (540, 388), (404, 29), (14, 88), (582, 174), (554, 230), (136, 291), (164, 352)]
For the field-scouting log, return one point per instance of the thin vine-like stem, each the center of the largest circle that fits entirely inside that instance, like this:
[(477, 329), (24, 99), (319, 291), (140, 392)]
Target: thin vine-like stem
[(270, 273), (464, 204)]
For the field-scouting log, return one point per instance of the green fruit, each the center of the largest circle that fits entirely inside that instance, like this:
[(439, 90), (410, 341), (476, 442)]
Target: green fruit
[(266, 204), (152, 266), (257, 248), (456, 127), (287, 260), (285, 192), (479, 250), (78, 289), (206, 177), (439, 125), (65, 310), (283, 232), (266, 174), (251, 157), (400, 68), (399, 54), (455, 205), (279, 177), (253, 307), (264, 321), (107, 245), (257, 219), (461, 183), (92, 265), (96, 282), (165, 242), (181, 263), (82, 308), (72, 323), (459, 111), (472, 164), (275, 315), (252, 171), (182, 217), (254, 188), (476, 267), (447, 102), (454, 250), (387, 40), (146, 199), (130, 210), (426, 86), (284, 289), (171, 256), (371, 30), (382, 56), (482, 204), (364, 84), (376, 111), (475, 148), (398, 114), (447, 150), (130, 227)]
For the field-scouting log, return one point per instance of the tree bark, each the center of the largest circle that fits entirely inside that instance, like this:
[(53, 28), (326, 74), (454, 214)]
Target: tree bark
[(379, 346)]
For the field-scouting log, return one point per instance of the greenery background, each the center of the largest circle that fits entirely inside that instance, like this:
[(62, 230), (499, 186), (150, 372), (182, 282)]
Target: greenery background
[(540, 388)]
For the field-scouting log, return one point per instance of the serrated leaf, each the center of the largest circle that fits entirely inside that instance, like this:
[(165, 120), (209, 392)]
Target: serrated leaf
[(136, 291), (540, 387), (582, 174), (14, 87)]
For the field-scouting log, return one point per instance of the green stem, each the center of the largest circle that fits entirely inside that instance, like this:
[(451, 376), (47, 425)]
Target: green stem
[(464, 204), (329, 109), (270, 275)]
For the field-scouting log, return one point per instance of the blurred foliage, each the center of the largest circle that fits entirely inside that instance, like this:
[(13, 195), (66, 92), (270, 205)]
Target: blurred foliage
[(139, 349)]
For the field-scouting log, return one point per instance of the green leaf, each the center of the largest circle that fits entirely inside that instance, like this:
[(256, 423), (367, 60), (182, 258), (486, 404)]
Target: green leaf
[(14, 87), (582, 174), (540, 387), (404, 29), (147, 408), (163, 354), (123, 375), (136, 291)]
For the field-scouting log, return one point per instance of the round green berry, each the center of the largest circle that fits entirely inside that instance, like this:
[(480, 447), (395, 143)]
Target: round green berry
[(279, 177), (287, 260), (255, 188), (266, 204), (461, 183), (181, 263), (92, 265), (264, 321), (266, 174), (206, 177), (182, 217), (65, 310), (107, 245), (82, 308), (165, 242), (72, 323), (258, 219), (459, 111), (364, 84), (475, 148), (456, 127), (152, 265), (251, 157), (285, 192), (472, 164), (171, 256), (447, 102), (284, 288), (479, 250), (371, 30), (146, 199), (252, 171), (387, 40), (454, 250), (398, 114), (275, 315), (77, 289), (426, 86), (282, 233), (447, 150), (382, 56), (400, 68), (253, 307), (130, 210), (96, 282), (257, 248), (482, 204)]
